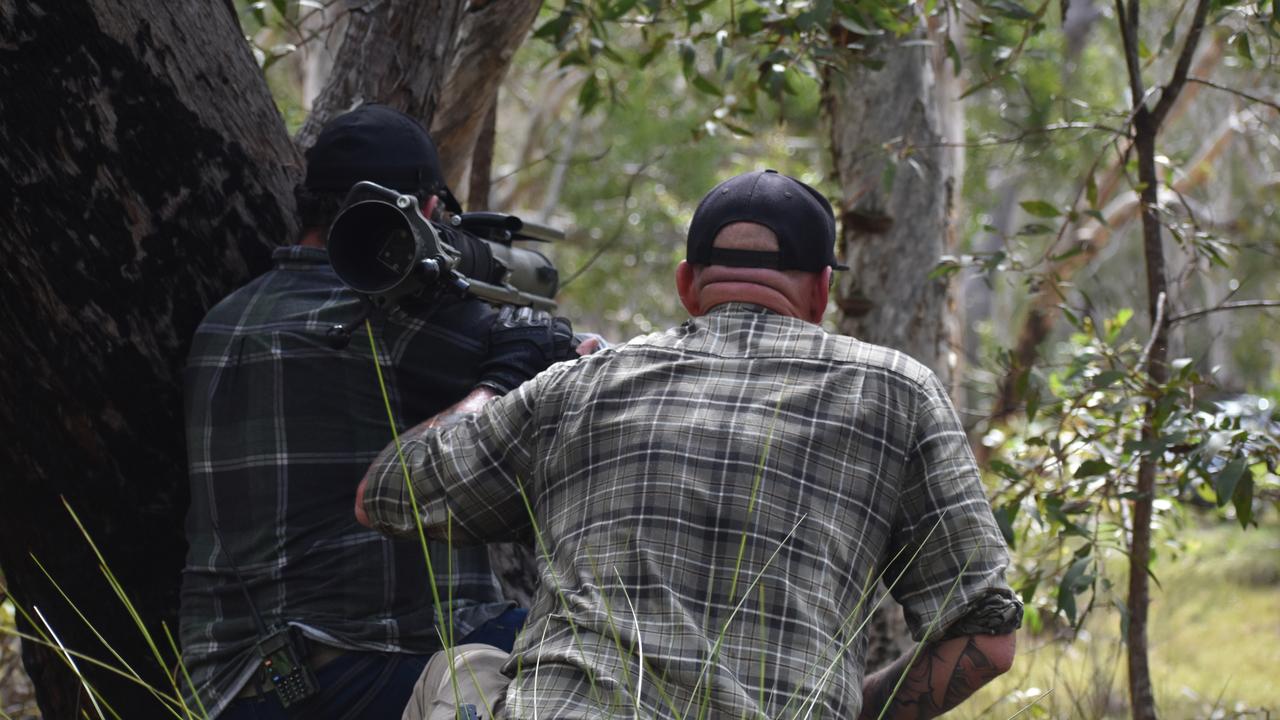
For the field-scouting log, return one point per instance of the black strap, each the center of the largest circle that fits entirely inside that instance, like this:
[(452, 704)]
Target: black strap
[(746, 258)]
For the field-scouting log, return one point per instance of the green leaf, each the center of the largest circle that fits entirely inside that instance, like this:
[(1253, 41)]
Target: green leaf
[(945, 267), (1107, 378), (1070, 253), (1011, 9), (1243, 49), (1075, 581), (1040, 208), (1091, 191), (589, 95), (555, 28), (615, 10), (656, 48), (1031, 229), (1123, 611), (954, 54), (703, 84), (751, 22), (282, 7), (1243, 501), (1006, 470), (259, 10), (1224, 483), (1092, 467), (688, 58), (858, 28), (1005, 515)]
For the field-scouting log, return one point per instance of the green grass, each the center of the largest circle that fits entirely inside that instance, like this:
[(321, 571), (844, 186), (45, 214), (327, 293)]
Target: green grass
[(1214, 638)]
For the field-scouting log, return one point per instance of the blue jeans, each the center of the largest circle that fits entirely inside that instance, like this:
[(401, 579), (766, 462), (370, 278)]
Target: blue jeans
[(355, 686), (369, 685)]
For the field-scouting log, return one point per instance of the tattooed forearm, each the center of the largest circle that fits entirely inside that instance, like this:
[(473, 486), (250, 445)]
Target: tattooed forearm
[(939, 678)]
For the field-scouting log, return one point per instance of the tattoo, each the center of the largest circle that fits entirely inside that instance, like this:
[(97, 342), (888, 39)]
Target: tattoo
[(940, 678)]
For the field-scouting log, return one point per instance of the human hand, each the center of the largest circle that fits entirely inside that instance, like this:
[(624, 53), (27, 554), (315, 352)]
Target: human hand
[(522, 343)]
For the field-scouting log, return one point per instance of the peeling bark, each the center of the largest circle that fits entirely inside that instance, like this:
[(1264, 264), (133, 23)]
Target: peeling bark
[(146, 173)]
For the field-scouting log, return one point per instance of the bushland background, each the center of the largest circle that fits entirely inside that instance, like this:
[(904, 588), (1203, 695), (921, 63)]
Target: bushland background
[(1067, 208)]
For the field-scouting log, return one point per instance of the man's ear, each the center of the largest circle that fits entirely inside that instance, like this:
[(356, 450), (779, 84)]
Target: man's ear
[(820, 295), (686, 277)]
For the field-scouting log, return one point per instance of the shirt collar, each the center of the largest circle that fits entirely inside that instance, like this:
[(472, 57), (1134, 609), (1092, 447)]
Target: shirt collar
[(740, 307), (299, 257)]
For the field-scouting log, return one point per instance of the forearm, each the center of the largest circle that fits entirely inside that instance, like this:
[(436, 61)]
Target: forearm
[(455, 413), (939, 678)]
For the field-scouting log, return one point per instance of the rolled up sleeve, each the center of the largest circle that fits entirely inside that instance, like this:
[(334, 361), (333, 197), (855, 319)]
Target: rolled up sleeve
[(468, 482), (949, 556)]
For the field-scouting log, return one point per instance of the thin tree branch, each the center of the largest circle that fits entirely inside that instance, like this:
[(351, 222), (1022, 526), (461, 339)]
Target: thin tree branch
[(1128, 19), (1157, 329), (617, 231), (1240, 305), (1179, 79), (1239, 93)]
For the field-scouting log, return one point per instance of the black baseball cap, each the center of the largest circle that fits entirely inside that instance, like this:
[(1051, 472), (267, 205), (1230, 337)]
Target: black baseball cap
[(799, 215), (380, 144)]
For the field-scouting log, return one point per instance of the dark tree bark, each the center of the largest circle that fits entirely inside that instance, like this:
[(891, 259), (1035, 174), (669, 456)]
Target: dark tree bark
[(438, 60), (145, 173), (1147, 122), (149, 174), (480, 185)]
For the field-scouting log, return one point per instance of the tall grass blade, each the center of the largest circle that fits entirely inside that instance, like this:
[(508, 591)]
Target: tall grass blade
[(413, 500), (71, 662), (204, 714), (166, 701)]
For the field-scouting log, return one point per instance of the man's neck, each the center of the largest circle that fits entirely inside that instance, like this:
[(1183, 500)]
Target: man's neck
[(312, 238)]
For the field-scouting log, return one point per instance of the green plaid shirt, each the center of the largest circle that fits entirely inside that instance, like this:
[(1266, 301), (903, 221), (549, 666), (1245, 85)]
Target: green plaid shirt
[(714, 505), (280, 428)]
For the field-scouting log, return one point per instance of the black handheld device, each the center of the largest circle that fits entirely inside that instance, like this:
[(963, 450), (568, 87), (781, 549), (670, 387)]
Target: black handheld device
[(283, 666)]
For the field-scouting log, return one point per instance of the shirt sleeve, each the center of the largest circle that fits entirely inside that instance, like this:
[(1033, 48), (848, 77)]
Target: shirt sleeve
[(948, 558), (469, 481)]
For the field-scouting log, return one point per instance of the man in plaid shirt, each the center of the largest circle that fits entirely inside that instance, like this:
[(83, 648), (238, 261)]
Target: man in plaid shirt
[(716, 503), (280, 428)]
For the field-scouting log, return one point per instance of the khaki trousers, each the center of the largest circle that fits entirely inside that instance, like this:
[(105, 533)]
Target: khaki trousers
[(466, 689)]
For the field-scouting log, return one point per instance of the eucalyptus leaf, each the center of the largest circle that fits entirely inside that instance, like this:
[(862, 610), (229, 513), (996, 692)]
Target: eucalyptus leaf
[(1040, 208), (1224, 483)]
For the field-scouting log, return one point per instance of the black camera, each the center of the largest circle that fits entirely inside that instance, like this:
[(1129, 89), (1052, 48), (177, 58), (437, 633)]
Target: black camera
[(381, 245)]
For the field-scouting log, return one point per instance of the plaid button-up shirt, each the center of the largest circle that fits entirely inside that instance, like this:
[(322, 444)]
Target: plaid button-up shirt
[(714, 505), (280, 428)]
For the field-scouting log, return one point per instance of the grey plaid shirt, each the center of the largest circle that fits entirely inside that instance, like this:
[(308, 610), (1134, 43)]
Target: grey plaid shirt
[(715, 504), (280, 428)]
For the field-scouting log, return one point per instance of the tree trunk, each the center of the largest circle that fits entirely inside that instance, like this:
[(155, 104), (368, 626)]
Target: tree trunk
[(146, 173), (149, 175), (890, 135), (893, 136), (438, 60)]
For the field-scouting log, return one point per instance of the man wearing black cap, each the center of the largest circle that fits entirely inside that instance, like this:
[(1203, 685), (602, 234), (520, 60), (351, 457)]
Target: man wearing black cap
[(280, 427), (718, 501)]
